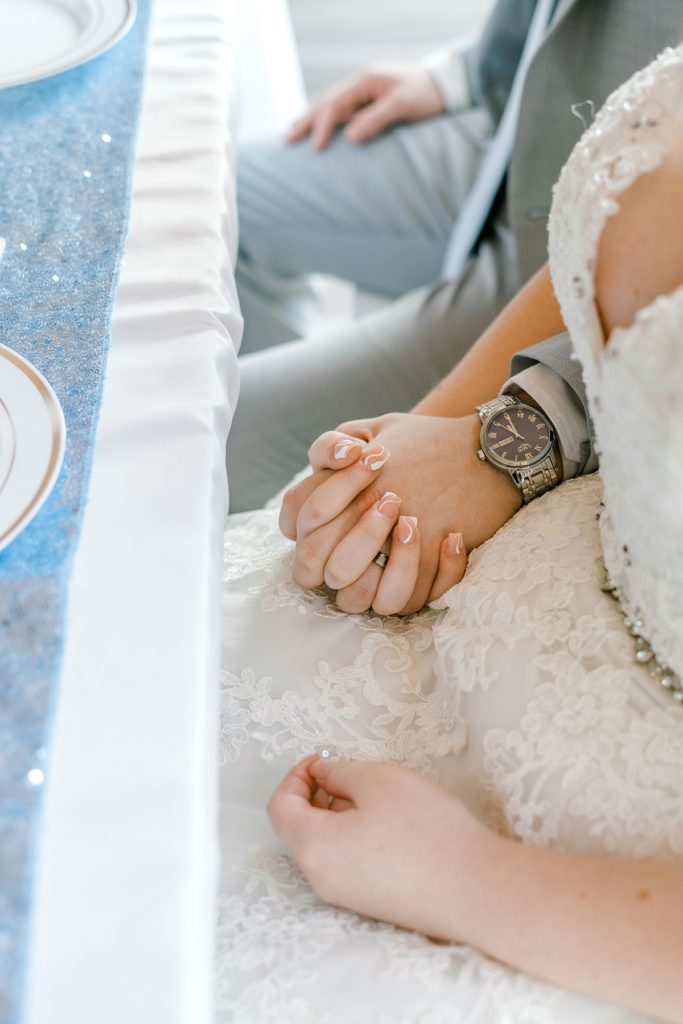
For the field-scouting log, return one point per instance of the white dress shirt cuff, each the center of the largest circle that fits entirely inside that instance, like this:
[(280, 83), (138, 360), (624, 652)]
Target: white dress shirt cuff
[(447, 67), (559, 402)]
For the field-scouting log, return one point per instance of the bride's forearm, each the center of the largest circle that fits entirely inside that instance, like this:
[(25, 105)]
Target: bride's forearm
[(609, 929), (532, 316)]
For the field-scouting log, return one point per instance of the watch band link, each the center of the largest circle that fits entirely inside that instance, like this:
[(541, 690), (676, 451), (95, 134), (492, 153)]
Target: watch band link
[(494, 405), (537, 480)]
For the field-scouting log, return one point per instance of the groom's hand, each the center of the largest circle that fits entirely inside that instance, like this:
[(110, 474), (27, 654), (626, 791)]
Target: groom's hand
[(369, 103), (430, 463)]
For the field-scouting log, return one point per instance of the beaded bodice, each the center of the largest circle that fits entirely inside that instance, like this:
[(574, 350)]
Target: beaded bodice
[(634, 377)]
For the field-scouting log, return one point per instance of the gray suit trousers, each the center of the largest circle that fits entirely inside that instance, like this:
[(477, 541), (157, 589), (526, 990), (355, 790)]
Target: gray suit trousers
[(380, 216), (382, 363)]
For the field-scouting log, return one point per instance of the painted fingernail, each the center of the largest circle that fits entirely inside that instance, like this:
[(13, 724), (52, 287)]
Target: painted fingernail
[(406, 529), (454, 543), (388, 504), (375, 457), (342, 448)]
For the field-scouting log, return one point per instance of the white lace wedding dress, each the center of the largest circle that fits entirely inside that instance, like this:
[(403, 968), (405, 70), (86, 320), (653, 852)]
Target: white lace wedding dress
[(521, 691)]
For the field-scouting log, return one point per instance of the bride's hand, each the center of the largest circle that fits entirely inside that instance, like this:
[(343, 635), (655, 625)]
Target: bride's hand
[(431, 463), (387, 589), (383, 841)]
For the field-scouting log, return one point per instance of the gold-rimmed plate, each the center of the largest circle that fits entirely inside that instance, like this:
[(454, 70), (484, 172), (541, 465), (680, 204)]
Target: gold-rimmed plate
[(32, 441)]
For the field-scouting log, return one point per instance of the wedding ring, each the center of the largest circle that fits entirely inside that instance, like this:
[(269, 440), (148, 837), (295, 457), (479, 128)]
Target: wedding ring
[(381, 559)]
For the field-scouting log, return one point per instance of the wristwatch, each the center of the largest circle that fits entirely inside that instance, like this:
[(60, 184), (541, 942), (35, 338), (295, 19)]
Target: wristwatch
[(519, 439)]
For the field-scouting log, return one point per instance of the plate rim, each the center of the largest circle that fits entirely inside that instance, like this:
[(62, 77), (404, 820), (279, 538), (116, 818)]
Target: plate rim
[(52, 62), (58, 423), (82, 56), (3, 481)]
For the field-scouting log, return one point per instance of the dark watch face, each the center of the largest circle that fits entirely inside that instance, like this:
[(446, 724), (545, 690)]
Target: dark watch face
[(517, 436)]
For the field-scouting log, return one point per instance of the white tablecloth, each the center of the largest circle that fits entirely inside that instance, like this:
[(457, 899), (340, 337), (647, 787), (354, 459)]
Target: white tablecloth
[(125, 895)]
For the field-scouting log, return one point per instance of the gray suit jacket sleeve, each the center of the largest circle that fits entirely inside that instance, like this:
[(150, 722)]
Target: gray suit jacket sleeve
[(567, 392)]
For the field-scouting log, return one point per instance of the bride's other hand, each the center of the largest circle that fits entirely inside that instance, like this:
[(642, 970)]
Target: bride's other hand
[(388, 843), (433, 467), (381, 840)]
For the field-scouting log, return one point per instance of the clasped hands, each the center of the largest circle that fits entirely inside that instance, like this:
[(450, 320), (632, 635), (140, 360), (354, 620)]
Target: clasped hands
[(406, 484)]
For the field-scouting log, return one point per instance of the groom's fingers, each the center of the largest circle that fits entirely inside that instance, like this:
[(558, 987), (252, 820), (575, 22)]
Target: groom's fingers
[(335, 450), (311, 553), (359, 596), (295, 498), (361, 428)]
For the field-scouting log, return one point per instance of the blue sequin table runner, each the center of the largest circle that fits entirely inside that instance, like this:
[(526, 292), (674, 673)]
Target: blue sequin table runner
[(66, 160)]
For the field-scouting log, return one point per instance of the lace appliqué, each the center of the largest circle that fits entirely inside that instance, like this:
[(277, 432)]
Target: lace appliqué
[(371, 696), (593, 759), (538, 552), (617, 773), (346, 709)]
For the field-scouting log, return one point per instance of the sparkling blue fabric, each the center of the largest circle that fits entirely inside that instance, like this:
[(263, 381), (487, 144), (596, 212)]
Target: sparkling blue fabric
[(66, 159)]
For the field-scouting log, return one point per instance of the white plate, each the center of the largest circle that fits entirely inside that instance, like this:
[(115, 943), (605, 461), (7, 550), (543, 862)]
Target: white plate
[(32, 439), (39, 38)]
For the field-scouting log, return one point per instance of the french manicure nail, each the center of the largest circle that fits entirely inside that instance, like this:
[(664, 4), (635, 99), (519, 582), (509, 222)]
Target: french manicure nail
[(407, 525), (388, 504), (342, 448), (454, 543), (375, 457)]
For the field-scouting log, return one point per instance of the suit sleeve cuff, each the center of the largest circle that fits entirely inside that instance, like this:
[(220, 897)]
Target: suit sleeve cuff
[(560, 404), (447, 67)]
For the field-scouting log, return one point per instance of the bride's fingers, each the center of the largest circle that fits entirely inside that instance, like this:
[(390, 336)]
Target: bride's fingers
[(327, 802), (358, 548), (399, 576), (321, 798), (289, 808), (452, 565), (337, 803), (339, 490), (335, 450)]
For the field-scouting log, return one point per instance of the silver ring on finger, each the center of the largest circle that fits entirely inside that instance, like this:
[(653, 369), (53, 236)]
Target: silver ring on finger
[(381, 559)]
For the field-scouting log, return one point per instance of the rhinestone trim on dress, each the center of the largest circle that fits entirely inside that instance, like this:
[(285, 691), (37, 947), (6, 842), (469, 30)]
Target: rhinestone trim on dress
[(643, 653)]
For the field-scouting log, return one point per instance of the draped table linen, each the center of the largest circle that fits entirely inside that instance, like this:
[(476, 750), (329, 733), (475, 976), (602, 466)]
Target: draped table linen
[(125, 892)]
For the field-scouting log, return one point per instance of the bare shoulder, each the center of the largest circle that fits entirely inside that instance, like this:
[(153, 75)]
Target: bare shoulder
[(641, 249)]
